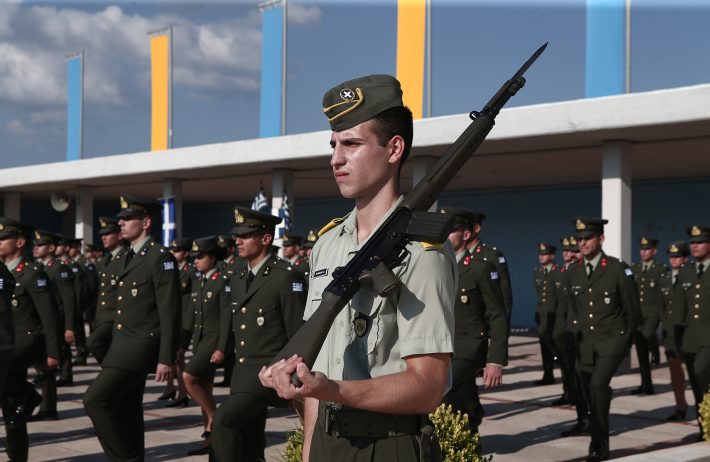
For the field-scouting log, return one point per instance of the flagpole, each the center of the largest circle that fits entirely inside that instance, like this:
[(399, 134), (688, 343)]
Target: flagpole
[(283, 69), (428, 57)]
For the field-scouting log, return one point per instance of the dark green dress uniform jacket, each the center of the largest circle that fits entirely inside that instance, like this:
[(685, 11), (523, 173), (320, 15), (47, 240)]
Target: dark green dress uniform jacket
[(231, 265), (546, 299), (211, 308), (301, 264), (35, 315), (62, 279), (479, 314), (187, 274), (147, 322), (108, 271), (674, 311), (560, 279), (7, 330), (605, 308), (496, 257), (648, 284), (697, 303), (81, 284), (262, 319)]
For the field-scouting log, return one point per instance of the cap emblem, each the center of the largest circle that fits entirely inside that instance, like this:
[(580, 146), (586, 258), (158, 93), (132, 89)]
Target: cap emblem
[(238, 217), (674, 248), (644, 241), (38, 236), (311, 236), (124, 203), (195, 247), (347, 94), (695, 231), (580, 225), (565, 242)]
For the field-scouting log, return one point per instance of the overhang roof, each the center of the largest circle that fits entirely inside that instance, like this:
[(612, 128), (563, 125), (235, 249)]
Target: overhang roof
[(545, 144)]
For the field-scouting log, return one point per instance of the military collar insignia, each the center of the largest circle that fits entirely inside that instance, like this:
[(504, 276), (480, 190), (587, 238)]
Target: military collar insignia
[(20, 267), (215, 275), (266, 272), (603, 263), (580, 225), (238, 217), (467, 260), (124, 203)]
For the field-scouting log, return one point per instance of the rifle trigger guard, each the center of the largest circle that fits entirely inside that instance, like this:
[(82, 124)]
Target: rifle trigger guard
[(380, 279)]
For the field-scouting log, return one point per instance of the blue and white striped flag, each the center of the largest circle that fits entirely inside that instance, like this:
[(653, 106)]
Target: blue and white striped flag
[(285, 213), (169, 232), (260, 203)]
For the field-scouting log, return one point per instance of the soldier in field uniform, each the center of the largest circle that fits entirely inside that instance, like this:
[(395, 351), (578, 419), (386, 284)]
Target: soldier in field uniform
[(145, 335), (605, 313)]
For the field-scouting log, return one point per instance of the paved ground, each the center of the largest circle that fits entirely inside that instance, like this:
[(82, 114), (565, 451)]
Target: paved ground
[(520, 424)]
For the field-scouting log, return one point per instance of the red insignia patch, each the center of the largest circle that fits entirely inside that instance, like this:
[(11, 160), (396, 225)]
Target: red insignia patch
[(554, 267), (563, 269), (603, 262), (215, 275), (478, 249), (467, 260), (298, 262), (19, 267)]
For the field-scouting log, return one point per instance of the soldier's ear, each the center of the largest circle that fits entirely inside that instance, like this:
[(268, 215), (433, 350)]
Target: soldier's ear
[(477, 229), (21, 241), (601, 239), (147, 222)]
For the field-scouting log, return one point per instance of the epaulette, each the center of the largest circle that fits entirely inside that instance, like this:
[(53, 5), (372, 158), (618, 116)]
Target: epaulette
[(430, 246), (333, 223)]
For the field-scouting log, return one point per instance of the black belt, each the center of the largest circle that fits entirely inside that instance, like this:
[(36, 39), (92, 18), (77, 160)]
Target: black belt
[(347, 422)]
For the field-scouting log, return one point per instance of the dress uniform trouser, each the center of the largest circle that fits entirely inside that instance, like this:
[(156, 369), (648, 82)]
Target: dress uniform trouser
[(99, 341), (17, 390), (595, 381), (80, 333), (238, 429), (114, 403), (571, 379), (547, 344), (463, 395), (698, 365), (646, 342)]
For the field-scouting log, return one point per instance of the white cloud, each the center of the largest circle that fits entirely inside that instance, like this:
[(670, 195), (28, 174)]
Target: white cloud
[(303, 15), (16, 127)]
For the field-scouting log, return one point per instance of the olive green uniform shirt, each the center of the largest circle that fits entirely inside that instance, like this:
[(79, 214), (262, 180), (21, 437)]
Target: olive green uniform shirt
[(417, 319)]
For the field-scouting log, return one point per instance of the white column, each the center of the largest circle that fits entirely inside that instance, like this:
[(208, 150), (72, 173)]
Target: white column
[(11, 205), (281, 185), (84, 224), (616, 198), (420, 167), (173, 188)]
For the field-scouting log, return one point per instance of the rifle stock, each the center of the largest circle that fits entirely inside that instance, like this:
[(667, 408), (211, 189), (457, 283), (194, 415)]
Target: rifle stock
[(384, 249)]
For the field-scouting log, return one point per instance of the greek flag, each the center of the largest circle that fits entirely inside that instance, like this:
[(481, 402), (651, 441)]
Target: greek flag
[(168, 220), (285, 213), (260, 203)]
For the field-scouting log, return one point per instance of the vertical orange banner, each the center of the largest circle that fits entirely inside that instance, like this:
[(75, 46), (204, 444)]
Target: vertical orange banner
[(411, 30), (160, 85)]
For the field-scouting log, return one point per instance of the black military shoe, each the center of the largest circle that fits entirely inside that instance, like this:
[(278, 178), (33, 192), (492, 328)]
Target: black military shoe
[(545, 380), (44, 415), (562, 401), (24, 410), (598, 454), (79, 361), (580, 428), (65, 383)]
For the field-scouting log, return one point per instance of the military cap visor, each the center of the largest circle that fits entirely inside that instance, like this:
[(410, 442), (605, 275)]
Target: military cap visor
[(291, 239), (249, 220), (698, 233), (546, 249), (356, 101), (42, 237), (134, 206), (588, 227), (13, 228), (183, 244), (207, 246)]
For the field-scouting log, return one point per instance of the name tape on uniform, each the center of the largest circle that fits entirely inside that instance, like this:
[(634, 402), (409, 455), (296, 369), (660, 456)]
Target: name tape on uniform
[(320, 272)]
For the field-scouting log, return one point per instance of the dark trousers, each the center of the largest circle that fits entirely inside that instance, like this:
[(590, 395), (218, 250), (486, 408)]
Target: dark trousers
[(547, 344), (571, 378), (80, 335), (698, 365), (49, 391), (646, 342), (99, 341), (238, 429), (463, 395), (17, 390), (329, 448), (114, 403), (595, 385)]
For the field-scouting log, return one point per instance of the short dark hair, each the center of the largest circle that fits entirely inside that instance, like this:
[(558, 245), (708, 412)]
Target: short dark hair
[(392, 122)]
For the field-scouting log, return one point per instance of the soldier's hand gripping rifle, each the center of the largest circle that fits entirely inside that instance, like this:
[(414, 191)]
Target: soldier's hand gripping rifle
[(410, 221)]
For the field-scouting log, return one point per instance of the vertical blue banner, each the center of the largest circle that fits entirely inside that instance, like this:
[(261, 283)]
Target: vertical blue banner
[(604, 74), (169, 232), (271, 72), (75, 84)]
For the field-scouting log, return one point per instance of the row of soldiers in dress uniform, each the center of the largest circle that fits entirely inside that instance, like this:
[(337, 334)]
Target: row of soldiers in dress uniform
[(236, 300), (593, 307)]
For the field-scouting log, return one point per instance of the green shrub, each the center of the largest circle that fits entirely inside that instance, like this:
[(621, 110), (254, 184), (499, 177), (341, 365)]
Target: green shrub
[(704, 416)]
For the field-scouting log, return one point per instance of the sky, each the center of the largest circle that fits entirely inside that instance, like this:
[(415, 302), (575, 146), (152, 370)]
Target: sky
[(476, 45)]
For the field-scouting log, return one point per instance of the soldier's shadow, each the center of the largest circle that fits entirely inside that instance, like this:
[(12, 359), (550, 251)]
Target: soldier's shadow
[(504, 444)]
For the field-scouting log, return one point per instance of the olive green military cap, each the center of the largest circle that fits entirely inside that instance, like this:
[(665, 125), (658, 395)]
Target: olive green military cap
[(291, 239), (588, 226), (225, 241), (249, 220), (63, 240), (13, 228), (678, 249), (310, 239), (646, 242), (43, 237), (108, 226), (207, 245), (698, 233), (134, 206), (569, 243), (545, 248), (355, 101), (183, 244)]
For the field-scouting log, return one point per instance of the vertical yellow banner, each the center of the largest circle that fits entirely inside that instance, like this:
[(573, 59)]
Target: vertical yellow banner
[(160, 83), (411, 29)]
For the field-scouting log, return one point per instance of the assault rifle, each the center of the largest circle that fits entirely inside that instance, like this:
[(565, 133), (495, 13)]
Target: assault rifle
[(410, 221)]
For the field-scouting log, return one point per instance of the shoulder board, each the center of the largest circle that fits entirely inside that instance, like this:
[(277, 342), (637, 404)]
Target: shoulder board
[(431, 246), (333, 223)]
